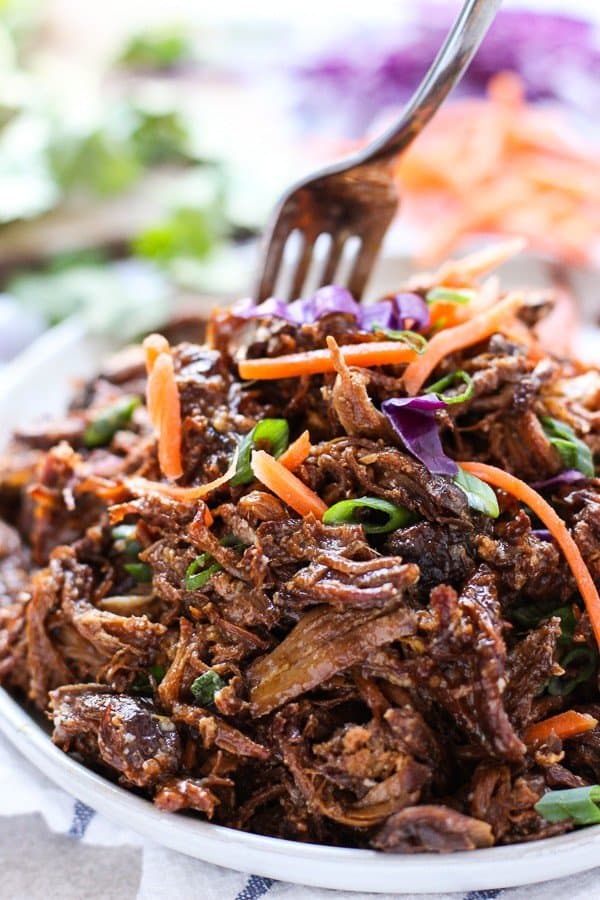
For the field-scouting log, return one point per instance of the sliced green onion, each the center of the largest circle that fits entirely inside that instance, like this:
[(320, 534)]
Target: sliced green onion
[(578, 804), (448, 381), (574, 452), (142, 684), (272, 435), (449, 295), (125, 541), (479, 494), (200, 571), (206, 686), (123, 532), (585, 660), (414, 340), (103, 428), (375, 515), (139, 570)]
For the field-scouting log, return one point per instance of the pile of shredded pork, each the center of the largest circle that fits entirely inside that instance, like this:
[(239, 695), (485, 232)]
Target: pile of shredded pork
[(342, 682)]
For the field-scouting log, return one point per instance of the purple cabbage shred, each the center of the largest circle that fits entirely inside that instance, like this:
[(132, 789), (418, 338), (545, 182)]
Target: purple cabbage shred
[(413, 420)]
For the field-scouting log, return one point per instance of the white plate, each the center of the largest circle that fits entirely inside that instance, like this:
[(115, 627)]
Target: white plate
[(39, 382)]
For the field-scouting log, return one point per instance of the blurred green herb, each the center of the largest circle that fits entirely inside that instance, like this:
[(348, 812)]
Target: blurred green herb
[(160, 137), (187, 232), (99, 163), (159, 48)]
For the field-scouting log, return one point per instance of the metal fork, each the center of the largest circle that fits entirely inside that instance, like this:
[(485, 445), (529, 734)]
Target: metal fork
[(357, 197)]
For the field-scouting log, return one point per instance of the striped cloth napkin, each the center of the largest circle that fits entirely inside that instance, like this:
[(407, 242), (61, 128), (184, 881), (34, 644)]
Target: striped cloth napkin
[(76, 854)]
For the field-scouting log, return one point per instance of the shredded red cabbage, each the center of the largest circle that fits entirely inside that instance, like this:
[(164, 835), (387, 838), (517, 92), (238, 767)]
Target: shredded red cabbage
[(566, 477), (413, 420), (542, 533), (330, 299), (400, 312)]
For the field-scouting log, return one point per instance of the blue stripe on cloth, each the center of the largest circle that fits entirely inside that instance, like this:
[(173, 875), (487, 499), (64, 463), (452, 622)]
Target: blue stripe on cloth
[(82, 816), (256, 887), (482, 895)]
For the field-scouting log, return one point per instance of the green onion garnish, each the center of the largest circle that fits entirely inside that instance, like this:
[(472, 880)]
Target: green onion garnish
[(271, 435), (375, 515), (579, 804), (125, 540), (448, 381), (412, 338), (574, 452), (139, 570), (449, 295), (200, 571), (103, 428), (206, 686), (479, 494), (142, 684)]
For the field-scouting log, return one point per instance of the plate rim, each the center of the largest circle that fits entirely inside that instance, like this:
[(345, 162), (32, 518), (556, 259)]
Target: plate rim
[(340, 868)]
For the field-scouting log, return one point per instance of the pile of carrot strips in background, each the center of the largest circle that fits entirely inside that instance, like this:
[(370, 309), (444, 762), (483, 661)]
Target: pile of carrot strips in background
[(503, 166)]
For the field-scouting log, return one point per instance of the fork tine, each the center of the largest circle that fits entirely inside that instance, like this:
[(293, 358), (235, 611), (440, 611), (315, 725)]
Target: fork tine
[(270, 269), (363, 263), (333, 258), (302, 266)]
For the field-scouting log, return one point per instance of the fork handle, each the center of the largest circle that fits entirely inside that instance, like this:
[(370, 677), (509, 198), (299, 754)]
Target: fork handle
[(458, 49)]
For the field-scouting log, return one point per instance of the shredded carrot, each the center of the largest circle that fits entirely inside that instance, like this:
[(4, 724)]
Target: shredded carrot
[(313, 362), (501, 165), (297, 452), (564, 725), (286, 485), (162, 398), (463, 272), (450, 340), (154, 345), (526, 494), (518, 332), (142, 486)]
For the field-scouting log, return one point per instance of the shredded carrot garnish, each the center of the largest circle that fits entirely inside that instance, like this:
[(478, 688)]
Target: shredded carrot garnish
[(501, 165), (564, 725), (142, 486), (526, 494), (313, 362), (297, 452), (162, 400), (517, 331), (451, 340), (165, 413), (285, 485), (154, 345), (464, 271)]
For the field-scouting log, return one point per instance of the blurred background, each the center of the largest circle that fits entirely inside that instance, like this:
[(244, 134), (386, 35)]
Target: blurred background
[(143, 144)]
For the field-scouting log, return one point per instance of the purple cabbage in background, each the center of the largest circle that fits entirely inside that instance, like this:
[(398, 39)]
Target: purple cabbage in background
[(399, 312), (557, 56), (413, 420), (566, 477), (542, 533)]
